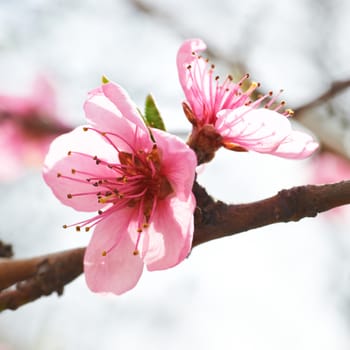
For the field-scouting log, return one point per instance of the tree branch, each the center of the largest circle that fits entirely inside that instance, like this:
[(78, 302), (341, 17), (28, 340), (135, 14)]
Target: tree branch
[(38, 276), (215, 219), (5, 250), (44, 275), (335, 88)]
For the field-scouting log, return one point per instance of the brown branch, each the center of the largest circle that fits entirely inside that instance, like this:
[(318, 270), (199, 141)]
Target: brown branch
[(215, 219), (5, 250), (44, 275), (38, 276), (335, 88)]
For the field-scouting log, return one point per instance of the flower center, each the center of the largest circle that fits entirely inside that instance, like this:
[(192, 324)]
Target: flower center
[(137, 181)]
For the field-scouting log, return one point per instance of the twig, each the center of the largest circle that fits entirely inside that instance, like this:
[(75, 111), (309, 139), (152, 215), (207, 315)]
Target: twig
[(5, 250), (39, 276), (335, 88)]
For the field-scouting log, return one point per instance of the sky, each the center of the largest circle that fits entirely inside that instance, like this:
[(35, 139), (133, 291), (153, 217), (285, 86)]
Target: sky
[(284, 286)]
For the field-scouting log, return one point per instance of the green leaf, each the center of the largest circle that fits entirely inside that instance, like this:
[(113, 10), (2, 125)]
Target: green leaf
[(104, 79), (152, 114)]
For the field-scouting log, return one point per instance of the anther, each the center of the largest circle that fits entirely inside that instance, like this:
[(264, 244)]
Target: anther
[(289, 111), (64, 226), (77, 228), (85, 128), (73, 171), (189, 66), (104, 253), (136, 252), (69, 153), (87, 229), (59, 174), (139, 230), (69, 196), (100, 212)]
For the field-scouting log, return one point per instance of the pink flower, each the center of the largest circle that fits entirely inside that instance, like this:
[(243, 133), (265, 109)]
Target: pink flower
[(140, 188), (223, 114), (328, 168), (27, 126)]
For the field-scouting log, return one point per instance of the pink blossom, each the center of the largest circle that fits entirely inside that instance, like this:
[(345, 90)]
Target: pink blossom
[(223, 114), (27, 126), (140, 186), (328, 168)]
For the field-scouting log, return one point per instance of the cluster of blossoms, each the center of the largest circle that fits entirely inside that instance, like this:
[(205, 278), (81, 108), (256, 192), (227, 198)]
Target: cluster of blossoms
[(28, 125), (224, 115), (138, 179)]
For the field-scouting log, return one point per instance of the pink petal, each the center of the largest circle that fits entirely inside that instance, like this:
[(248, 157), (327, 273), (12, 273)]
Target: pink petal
[(19, 106), (297, 145), (328, 167), (178, 162), (185, 58), (102, 114), (260, 130), (59, 162), (44, 95), (170, 233), (12, 146), (120, 269), (196, 82), (120, 98)]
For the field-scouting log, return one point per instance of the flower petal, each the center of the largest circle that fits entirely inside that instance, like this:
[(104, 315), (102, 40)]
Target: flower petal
[(178, 162), (104, 115), (68, 174), (170, 233), (196, 80), (44, 96), (259, 130), (121, 99), (297, 145), (185, 58), (119, 270), (12, 145)]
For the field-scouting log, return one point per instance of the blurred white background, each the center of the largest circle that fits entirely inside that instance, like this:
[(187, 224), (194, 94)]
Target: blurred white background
[(280, 287)]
